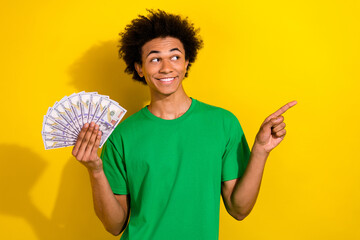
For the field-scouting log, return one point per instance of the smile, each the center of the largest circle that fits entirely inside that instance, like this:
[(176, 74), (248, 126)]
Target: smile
[(166, 79)]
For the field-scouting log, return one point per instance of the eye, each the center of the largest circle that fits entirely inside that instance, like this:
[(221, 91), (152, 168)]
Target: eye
[(155, 60), (175, 58)]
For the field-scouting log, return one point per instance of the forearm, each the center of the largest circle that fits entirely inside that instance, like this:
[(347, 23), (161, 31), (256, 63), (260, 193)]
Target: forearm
[(107, 208), (246, 190)]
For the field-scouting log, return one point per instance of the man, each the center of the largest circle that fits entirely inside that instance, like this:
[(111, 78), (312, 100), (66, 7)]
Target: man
[(171, 160)]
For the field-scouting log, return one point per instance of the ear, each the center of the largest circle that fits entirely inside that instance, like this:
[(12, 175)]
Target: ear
[(139, 69), (186, 64)]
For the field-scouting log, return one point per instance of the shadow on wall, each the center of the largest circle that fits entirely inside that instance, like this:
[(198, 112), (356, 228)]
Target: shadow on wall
[(100, 70), (19, 172), (73, 213), (73, 216)]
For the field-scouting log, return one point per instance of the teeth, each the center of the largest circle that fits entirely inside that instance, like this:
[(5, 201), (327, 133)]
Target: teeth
[(166, 79)]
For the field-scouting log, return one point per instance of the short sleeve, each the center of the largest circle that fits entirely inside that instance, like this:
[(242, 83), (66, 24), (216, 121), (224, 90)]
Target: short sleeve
[(237, 152), (114, 167)]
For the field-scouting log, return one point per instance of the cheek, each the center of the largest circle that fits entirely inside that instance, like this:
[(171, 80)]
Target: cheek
[(150, 69), (180, 67)]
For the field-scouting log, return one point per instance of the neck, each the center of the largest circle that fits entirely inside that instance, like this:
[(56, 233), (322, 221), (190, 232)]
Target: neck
[(169, 106)]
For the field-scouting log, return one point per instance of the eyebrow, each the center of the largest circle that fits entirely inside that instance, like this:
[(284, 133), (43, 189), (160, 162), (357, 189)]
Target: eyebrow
[(171, 50)]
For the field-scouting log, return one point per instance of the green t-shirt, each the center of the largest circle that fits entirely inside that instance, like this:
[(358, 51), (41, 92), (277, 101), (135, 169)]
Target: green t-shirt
[(173, 170)]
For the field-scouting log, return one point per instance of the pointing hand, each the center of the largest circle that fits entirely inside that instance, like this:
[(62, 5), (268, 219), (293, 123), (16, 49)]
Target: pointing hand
[(272, 130)]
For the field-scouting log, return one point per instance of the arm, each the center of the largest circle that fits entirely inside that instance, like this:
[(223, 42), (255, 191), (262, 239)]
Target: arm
[(112, 210), (239, 195)]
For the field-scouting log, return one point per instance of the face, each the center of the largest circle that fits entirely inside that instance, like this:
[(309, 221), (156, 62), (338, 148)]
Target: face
[(163, 66)]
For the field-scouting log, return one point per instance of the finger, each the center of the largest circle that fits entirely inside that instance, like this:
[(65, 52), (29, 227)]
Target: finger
[(282, 110), (266, 127), (85, 141), (80, 139), (272, 122), (91, 142), (280, 133), (97, 144), (278, 127)]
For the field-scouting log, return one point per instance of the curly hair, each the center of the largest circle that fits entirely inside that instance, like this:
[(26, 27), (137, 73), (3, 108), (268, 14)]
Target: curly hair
[(157, 24)]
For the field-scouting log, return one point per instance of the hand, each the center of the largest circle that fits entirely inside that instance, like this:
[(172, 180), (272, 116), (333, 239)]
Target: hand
[(86, 146), (272, 130)]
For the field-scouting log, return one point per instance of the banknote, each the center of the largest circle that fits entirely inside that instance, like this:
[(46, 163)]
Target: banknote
[(64, 121), (58, 138), (67, 115), (74, 100), (65, 105), (51, 128), (94, 105), (109, 118), (56, 124), (85, 101), (49, 144)]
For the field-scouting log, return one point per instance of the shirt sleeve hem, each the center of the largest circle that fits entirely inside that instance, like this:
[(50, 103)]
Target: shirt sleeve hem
[(119, 191), (228, 178)]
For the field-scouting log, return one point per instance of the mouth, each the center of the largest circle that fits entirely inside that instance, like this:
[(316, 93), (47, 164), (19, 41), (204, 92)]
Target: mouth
[(166, 80)]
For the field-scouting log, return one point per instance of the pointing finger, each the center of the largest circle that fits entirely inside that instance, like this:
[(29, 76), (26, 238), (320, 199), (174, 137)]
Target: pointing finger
[(282, 110)]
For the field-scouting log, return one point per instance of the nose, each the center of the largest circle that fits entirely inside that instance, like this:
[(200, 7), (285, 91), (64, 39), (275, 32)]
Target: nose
[(165, 67)]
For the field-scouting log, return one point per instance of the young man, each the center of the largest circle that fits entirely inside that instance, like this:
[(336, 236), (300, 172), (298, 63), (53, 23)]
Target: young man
[(170, 161)]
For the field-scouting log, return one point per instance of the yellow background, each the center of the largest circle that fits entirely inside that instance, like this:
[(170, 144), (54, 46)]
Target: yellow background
[(258, 55)]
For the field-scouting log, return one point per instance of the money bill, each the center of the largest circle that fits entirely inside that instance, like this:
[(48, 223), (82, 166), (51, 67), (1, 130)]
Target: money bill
[(94, 106), (51, 131), (64, 121), (66, 106), (54, 120), (58, 138), (108, 119), (49, 144), (85, 104), (74, 100), (62, 114)]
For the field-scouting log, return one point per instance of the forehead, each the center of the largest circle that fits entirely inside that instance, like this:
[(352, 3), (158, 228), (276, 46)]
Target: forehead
[(162, 45)]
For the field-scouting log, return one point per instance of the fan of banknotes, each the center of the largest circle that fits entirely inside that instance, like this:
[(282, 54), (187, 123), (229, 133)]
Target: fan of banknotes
[(63, 122)]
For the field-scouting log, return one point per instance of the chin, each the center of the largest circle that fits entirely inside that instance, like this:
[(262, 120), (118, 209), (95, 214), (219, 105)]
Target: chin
[(166, 92)]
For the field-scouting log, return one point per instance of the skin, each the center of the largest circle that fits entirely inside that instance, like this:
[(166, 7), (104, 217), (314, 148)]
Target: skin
[(164, 59), (239, 195), (112, 210)]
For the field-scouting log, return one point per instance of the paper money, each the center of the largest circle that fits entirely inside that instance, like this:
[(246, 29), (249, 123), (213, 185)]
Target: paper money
[(64, 121)]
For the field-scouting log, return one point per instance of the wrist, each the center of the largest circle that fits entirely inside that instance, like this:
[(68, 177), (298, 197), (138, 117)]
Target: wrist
[(96, 173), (259, 150)]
